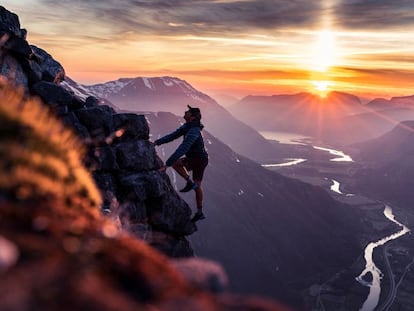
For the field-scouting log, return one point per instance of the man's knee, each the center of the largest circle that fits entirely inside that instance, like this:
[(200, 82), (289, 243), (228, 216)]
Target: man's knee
[(178, 163)]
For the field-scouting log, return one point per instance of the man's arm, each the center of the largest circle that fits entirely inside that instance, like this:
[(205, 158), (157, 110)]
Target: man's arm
[(170, 137), (189, 140)]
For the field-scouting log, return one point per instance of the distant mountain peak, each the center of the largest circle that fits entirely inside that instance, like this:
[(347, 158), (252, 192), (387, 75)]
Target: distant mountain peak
[(145, 85)]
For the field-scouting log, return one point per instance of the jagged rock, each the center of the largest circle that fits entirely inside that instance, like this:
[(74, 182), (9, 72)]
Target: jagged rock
[(13, 71), (98, 120), (51, 70), (73, 122), (134, 186), (105, 158), (52, 94), (107, 186), (134, 126), (77, 103), (91, 101), (10, 22), (18, 46), (165, 209), (137, 155)]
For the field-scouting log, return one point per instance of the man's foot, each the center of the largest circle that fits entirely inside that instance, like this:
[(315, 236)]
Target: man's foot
[(198, 216), (189, 186)]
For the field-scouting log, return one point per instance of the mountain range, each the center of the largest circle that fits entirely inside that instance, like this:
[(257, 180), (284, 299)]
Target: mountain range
[(339, 118), (388, 168), (173, 95)]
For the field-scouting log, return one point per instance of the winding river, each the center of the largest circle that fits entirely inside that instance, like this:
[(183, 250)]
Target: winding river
[(289, 162), (373, 297), (342, 157), (375, 286)]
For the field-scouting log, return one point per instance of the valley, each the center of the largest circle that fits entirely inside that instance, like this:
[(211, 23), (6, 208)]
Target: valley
[(394, 254)]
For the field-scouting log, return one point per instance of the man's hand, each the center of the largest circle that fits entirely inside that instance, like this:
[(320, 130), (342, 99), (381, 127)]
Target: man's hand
[(163, 168)]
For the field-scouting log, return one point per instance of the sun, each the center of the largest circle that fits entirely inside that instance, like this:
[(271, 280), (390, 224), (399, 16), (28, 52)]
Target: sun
[(323, 57), (322, 87)]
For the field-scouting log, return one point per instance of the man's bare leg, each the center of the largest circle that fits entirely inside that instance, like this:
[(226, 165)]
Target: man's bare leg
[(179, 167)]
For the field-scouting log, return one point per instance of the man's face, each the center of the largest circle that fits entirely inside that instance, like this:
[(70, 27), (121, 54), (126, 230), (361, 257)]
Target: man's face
[(188, 117)]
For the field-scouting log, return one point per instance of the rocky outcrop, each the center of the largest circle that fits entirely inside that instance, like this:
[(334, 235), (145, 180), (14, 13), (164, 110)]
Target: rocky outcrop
[(57, 250), (123, 160)]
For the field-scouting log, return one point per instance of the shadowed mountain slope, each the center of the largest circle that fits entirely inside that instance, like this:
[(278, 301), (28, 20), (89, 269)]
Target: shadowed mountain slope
[(263, 227)]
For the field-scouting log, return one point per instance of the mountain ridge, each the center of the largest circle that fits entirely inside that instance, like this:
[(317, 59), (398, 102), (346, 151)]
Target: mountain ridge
[(173, 95)]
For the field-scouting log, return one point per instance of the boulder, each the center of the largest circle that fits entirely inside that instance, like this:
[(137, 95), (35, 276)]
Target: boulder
[(134, 126), (137, 155), (52, 71), (52, 94), (73, 122), (98, 120), (9, 22), (105, 158), (13, 71)]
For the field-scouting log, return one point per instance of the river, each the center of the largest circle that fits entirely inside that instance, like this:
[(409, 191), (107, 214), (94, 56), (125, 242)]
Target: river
[(373, 297), (289, 162), (342, 157), (335, 188), (375, 286)]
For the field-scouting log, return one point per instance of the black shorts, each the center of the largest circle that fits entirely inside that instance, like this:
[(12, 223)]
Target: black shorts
[(197, 165)]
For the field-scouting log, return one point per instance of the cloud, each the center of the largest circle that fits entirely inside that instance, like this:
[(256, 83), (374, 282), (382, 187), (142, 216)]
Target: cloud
[(374, 14), (161, 17), (378, 76)]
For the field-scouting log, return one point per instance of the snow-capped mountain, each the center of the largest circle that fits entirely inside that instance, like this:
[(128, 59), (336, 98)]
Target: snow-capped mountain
[(173, 95)]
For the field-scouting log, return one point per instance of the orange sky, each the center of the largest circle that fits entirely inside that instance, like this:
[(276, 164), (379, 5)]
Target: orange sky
[(233, 47)]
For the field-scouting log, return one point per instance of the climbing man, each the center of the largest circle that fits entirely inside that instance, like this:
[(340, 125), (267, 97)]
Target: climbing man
[(196, 157)]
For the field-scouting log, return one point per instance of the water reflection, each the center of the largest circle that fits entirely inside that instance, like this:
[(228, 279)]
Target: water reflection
[(289, 163), (285, 137), (335, 188), (342, 156)]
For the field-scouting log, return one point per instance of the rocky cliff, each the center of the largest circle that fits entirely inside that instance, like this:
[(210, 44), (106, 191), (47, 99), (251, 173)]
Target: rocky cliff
[(123, 161), (57, 250)]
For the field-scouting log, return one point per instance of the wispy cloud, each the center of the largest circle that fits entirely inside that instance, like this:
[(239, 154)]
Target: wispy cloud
[(185, 17), (374, 14)]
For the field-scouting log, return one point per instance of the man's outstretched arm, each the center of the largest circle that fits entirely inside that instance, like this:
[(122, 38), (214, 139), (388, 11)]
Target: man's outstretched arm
[(170, 137), (189, 140)]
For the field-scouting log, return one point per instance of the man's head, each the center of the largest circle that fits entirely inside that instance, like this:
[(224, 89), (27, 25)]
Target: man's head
[(192, 114)]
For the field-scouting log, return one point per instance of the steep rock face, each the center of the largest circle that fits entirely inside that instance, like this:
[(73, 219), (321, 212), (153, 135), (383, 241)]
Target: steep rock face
[(57, 252), (124, 162)]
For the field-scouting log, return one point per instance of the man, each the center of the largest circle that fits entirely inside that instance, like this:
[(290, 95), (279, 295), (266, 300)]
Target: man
[(196, 157)]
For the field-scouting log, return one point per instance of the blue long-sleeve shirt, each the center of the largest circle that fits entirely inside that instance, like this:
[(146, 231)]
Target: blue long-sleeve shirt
[(192, 145)]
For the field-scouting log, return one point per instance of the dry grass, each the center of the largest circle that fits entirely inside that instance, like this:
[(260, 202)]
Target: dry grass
[(39, 156)]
